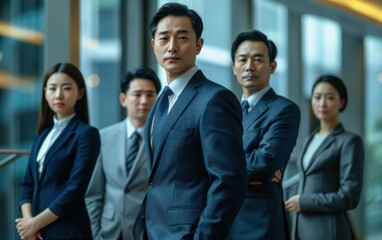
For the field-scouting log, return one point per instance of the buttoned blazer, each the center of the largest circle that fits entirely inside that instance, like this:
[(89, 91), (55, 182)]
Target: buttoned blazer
[(197, 176), (67, 170), (114, 196), (270, 133), (330, 186)]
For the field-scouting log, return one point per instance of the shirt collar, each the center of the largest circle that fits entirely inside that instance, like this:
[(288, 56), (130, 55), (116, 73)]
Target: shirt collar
[(255, 98), (180, 82), (131, 129), (62, 123)]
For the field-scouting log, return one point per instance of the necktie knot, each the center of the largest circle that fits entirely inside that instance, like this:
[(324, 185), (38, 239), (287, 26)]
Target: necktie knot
[(167, 91), (135, 137)]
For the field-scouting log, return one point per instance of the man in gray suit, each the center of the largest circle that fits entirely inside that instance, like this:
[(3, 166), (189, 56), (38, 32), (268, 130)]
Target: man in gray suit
[(120, 179)]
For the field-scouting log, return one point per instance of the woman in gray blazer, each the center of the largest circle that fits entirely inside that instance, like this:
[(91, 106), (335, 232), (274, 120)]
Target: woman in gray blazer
[(331, 169)]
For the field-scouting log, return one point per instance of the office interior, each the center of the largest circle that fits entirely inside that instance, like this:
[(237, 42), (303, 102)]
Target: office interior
[(105, 38)]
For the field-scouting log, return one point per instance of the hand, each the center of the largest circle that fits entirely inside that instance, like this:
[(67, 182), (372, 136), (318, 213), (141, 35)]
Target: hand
[(37, 237), (27, 228), (255, 183), (277, 177), (292, 205)]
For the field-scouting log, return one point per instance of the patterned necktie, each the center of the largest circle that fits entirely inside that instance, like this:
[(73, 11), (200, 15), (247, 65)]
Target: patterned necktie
[(245, 106), (160, 115), (132, 151)]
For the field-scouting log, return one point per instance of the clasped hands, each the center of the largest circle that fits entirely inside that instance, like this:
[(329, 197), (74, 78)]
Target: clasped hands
[(26, 229)]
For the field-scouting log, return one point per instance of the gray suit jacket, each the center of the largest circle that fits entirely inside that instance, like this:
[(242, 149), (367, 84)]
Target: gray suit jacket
[(330, 186), (113, 198)]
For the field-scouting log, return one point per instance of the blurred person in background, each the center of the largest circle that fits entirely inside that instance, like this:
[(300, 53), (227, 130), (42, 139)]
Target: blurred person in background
[(331, 169), (120, 179)]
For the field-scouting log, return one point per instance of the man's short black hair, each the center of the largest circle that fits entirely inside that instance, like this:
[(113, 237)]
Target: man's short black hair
[(254, 36), (142, 72), (178, 10)]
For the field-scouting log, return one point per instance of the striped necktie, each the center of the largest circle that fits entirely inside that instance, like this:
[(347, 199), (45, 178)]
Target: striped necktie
[(132, 151)]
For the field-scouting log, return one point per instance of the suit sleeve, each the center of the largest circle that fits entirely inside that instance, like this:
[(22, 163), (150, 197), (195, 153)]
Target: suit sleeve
[(87, 151), (27, 185), (94, 197), (276, 144), (221, 137), (350, 183)]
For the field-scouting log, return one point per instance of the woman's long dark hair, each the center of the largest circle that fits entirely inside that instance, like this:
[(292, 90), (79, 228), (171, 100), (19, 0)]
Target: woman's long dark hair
[(81, 108)]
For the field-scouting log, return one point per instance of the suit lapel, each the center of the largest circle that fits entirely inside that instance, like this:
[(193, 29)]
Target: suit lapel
[(147, 136), (305, 146), (65, 135), (180, 105), (325, 144), (120, 140), (259, 109), (40, 140)]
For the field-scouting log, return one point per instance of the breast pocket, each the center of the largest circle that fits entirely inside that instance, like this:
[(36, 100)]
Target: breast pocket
[(180, 133)]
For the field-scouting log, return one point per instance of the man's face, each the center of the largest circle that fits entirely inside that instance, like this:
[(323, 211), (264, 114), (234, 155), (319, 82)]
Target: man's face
[(251, 66), (138, 100), (175, 45)]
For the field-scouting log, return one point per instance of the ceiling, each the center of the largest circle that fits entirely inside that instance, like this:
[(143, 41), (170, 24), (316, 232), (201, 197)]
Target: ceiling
[(351, 20)]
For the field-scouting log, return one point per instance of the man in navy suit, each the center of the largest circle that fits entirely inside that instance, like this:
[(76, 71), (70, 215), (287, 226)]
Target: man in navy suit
[(271, 125), (196, 163)]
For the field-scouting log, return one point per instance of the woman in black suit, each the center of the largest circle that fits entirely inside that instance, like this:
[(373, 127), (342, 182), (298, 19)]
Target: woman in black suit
[(331, 169), (61, 161)]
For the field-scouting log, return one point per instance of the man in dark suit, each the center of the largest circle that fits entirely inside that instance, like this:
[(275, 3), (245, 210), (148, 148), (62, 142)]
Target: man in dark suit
[(271, 125), (197, 172)]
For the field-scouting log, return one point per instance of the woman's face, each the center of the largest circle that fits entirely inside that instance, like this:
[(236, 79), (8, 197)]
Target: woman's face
[(62, 94), (326, 102)]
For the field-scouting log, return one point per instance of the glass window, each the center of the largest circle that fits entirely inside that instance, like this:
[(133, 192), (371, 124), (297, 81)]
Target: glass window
[(271, 18), (100, 56), (21, 70), (373, 137), (321, 48)]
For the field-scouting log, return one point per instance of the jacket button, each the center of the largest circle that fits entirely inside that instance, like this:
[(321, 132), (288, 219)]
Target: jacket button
[(151, 184)]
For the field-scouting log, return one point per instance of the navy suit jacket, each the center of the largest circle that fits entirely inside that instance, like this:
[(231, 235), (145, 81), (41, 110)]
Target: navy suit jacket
[(270, 133), (63, 182), (197, 174)]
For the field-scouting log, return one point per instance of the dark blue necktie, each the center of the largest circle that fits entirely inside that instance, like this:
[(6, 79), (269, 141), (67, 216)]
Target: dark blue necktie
[(160, 115), (132, 151), (245, 106)]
